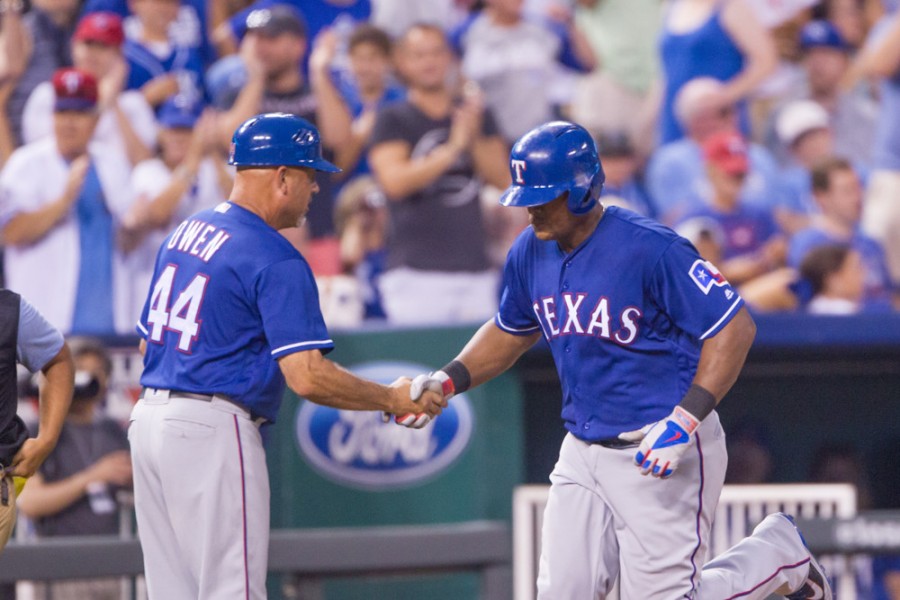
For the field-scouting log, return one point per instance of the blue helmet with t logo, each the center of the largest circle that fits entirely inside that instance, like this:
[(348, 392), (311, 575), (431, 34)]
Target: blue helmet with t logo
[(553, 159)]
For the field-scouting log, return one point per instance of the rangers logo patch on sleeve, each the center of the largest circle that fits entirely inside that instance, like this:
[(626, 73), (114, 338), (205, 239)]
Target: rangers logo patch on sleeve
[(705, 275)]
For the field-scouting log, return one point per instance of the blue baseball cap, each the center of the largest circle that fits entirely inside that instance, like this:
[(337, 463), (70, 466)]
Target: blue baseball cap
[(176, 113), (822, 34)]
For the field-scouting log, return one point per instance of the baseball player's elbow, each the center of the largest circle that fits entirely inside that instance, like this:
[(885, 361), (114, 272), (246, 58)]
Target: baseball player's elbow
[(304, 388)]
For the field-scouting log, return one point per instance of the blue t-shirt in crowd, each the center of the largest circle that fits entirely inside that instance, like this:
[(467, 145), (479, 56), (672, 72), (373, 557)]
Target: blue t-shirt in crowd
[(678, 184), (190, 28), (745, 229), (878, 286), (707, 51), (887, 136)]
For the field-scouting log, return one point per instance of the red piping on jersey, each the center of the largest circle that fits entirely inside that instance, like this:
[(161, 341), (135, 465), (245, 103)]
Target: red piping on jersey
[(769, 578), (699, 514), (237, 431)]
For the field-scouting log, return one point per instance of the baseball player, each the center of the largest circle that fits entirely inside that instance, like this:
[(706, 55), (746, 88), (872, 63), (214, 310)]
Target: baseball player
[(232, 313), (647, 337)]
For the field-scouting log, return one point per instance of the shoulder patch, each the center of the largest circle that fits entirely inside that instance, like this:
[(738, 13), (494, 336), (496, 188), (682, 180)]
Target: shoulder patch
[(705, 275)]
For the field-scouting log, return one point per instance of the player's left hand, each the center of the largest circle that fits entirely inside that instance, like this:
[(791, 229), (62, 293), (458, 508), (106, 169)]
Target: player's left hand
[(663, 442)]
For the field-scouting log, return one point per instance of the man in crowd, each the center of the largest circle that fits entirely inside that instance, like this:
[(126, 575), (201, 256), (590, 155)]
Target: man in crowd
[(430, 154)]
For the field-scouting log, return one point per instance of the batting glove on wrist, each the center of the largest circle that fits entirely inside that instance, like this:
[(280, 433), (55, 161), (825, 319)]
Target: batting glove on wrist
[(663, 442), (438, 382)]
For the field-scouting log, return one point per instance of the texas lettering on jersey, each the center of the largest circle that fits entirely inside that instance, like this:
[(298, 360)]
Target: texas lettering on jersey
[(578, 316)]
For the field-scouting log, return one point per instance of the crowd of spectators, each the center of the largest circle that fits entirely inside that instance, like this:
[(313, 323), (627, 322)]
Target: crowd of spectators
[(767, 133)]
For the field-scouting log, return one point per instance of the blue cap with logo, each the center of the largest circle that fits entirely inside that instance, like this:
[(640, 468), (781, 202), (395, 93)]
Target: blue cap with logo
[(178, 113), (822, 34), (278, 139)]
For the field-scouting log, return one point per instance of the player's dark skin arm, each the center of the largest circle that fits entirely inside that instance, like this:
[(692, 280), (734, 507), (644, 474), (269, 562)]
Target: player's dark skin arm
[(723, 355), (312, 376), (492, 351)]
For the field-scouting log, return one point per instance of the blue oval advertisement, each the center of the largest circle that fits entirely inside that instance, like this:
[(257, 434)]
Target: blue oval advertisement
[(357, 449)]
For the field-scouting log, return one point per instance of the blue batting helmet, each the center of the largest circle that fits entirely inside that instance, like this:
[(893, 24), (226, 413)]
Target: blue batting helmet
[(276, 140), (551, 159)]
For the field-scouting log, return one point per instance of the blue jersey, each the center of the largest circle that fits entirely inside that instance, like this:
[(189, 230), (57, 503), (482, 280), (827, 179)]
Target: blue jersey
[(624, 315), (229, 296)]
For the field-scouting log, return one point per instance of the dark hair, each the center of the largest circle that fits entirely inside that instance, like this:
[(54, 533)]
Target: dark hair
[(614, 143), (821, 172), (369, 34), (424, 26), (821, 262), (87, 346)]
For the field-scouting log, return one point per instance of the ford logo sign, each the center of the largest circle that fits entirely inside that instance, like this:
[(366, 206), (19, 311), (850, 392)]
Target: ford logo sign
[(357, 449)]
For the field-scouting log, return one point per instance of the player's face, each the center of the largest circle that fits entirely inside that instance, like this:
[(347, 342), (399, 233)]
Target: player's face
[(299, 186), (73, 129), (552, 221)]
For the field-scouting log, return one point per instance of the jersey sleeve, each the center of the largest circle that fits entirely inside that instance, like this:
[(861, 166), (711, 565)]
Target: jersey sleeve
[(288, 302), (38, 341), (515, 315), (697, 298)]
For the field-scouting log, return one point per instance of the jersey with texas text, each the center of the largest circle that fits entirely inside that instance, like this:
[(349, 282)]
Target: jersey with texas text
[(624, 315), (264, 304)]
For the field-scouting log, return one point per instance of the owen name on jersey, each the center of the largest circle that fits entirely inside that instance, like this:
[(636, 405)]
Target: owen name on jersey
[(197, 238)]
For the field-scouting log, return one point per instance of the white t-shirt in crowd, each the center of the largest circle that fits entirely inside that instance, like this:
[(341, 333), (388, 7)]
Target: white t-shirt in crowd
[(46, 272)]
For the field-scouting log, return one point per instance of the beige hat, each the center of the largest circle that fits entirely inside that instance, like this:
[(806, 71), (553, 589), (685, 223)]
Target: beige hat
[(798, 118)]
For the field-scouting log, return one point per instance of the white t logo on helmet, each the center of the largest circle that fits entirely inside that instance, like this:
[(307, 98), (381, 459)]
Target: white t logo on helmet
[(518, 166)]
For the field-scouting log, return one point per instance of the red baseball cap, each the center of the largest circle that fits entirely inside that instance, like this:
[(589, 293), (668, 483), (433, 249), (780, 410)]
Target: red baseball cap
[(101, 27), (75, 90), (728, 151)]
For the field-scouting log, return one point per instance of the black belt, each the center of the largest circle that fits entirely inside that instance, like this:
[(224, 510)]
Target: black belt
[(191, 395), (614, 443), (208, 398)]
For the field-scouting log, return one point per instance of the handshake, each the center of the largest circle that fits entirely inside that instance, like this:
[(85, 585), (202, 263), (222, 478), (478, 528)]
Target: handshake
[(437, 383)]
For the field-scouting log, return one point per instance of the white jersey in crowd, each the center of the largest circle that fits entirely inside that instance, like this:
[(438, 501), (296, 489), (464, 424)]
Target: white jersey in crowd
[(46, 272), (37, 119), (148, 179)]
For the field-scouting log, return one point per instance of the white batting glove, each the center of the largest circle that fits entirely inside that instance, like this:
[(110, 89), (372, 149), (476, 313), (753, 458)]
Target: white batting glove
[(434, 382), (663, 442)]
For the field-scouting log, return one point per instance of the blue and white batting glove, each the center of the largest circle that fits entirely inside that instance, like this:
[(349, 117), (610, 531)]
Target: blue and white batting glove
[(663, 442), (438, 382)]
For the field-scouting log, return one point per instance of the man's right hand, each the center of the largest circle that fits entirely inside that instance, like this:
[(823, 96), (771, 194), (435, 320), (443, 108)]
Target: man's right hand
[(77, 172), (425, 383)]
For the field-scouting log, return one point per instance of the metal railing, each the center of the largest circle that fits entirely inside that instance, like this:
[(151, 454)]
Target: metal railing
[(484, 547)]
